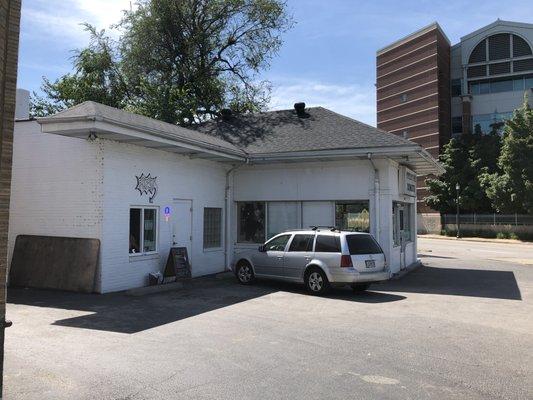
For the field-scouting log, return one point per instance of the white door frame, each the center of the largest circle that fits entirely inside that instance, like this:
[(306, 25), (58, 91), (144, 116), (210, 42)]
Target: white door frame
[(189, 202)]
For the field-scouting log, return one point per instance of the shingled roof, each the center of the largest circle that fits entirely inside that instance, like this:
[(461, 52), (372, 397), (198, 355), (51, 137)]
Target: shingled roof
[(286, 131)]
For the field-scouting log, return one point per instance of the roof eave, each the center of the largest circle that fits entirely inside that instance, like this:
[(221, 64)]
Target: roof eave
[(81, 126)]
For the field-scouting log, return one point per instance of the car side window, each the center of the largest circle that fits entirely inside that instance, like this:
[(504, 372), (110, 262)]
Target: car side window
[(278, 243), (302, 243), (327, 244)]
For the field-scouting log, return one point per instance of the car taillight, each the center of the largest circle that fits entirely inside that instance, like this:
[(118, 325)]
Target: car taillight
[(346, 262)]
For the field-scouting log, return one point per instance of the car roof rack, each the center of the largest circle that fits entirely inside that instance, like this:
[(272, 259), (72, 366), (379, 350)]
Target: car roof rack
[(317, 227)]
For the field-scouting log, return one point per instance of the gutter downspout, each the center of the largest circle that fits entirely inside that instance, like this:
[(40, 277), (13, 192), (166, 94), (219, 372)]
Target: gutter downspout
[(227, 233), (376, 195)]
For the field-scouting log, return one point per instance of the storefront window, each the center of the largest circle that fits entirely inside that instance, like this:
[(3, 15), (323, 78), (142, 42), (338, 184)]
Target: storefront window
[(251, 226), (401, 223), (282, 216), (352, 216), (143, 230)]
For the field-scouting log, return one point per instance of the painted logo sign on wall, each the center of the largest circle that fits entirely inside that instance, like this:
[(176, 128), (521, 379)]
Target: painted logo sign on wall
[(147, 185)]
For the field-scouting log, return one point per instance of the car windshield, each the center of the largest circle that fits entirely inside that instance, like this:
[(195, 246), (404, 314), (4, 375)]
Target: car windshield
[(362, 244)]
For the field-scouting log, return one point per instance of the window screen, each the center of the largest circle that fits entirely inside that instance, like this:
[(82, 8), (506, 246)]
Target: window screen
[(212, 228), (479, 54), (302, 243), (520, 47), (479, 70), (499, 68), (362, 244), (499, 46), (327, 244), (523, 65)]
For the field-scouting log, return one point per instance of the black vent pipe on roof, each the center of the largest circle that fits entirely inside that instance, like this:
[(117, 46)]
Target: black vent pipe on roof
[(225, 113), (300, 109)]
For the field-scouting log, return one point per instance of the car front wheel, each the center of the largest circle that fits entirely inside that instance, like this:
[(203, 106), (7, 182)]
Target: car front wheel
[(316, 281), (245, 273)]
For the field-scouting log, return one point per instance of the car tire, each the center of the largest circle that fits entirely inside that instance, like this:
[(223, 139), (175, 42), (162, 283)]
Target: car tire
[(316, 282), (244, 273), (360, 287)]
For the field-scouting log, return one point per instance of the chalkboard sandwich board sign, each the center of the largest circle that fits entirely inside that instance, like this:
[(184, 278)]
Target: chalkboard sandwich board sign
[(178, 265)]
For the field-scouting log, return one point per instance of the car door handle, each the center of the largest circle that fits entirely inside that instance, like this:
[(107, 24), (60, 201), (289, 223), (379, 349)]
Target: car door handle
[(280, 257)]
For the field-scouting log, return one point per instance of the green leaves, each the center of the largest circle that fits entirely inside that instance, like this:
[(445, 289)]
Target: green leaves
[(178, 61), (494, 173), (511, 189)]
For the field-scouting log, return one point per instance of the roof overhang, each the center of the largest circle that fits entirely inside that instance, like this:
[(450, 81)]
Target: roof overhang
[(414, 157), (84, 127)]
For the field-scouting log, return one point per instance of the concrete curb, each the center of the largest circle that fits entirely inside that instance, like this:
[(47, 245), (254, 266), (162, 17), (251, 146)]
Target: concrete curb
[(481, 240), (202, 281)]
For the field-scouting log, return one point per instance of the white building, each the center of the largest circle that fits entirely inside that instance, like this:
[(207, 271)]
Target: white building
[(224, 187)]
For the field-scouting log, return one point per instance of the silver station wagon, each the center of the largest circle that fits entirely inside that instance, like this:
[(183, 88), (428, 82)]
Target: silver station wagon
[(318, 257)]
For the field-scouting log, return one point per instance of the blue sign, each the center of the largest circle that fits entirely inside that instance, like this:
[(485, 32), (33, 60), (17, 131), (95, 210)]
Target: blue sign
[(167, 211)]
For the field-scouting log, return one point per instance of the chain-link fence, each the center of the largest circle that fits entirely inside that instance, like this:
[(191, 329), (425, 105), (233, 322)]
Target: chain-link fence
[(489, 219)]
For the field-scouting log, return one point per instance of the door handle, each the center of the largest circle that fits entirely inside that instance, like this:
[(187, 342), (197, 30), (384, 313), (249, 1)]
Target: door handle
[(280, 257)]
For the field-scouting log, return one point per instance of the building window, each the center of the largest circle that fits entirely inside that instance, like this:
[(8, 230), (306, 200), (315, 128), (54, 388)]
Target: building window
[(457, 87), (251, 223), (352, 216), (212, 228), (484, 124), (282, 216), (457, 125), (401, 223), (403, 98), (143, 230)]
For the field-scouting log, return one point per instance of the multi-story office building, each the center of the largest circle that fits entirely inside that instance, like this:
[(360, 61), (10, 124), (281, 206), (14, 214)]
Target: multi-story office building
[(429, 91)]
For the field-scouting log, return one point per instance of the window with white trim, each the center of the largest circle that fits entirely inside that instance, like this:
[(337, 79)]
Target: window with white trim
[(143, 230), (212, 228)]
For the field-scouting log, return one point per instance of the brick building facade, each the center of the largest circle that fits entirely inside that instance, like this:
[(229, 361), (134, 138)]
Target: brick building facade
[(9, 38)]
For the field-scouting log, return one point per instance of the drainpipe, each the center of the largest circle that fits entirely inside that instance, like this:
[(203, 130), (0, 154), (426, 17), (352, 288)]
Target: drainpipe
[(227, 232), (376, 195)]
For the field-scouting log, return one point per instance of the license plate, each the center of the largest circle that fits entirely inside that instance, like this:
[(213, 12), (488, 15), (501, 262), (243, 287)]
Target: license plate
[(370, 264)]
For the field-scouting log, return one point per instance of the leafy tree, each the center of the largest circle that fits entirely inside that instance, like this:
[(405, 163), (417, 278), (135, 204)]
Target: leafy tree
[(180, 61), (465, 158), (511, 189)]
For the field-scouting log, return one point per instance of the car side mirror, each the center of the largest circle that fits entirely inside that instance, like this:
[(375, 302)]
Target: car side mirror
[(262, 248)]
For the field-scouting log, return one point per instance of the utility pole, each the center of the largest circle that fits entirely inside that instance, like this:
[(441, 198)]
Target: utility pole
[(457, 223)]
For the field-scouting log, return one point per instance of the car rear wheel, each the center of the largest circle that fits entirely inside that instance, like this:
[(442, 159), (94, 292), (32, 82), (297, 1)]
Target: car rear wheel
[(360, 287), (245, 273), (316, 281)]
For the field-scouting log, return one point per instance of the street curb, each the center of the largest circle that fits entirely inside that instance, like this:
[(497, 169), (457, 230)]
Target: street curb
[(479, 240), (201, 281)]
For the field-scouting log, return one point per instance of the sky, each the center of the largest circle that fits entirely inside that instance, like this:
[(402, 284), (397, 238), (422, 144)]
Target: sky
[(327, 59)]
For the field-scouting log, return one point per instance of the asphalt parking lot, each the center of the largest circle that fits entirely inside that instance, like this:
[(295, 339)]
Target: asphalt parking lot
[(461, 327)]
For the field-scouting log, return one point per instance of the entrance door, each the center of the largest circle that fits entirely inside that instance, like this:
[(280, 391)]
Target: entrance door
[(182, 226)]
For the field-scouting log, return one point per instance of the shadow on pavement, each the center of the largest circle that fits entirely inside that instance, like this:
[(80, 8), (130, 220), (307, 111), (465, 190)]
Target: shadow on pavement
[(118, 312), (458, 282)]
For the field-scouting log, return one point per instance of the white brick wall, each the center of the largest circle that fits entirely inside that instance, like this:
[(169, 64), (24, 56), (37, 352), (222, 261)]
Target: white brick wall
[(56, 185), (178, 177)]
